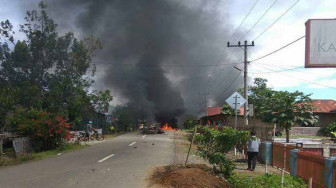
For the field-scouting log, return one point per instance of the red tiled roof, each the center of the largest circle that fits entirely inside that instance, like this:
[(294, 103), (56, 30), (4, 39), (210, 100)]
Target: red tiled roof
[(324, 106), (217, 110)]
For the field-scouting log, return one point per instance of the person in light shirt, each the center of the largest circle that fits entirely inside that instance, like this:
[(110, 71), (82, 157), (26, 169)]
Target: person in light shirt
[(252, 151)]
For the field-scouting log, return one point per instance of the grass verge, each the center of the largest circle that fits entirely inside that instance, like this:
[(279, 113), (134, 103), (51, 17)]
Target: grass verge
[(261, 181), (23, 158)]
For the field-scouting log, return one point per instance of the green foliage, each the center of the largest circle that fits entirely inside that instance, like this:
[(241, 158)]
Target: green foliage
[(66, 147), (47, 130), (281, 107), (227, 110), (48, 71), (274, 181), (100, 100), (190, 123), (326, 131), (127, 116), (7, 102), (212, 147), (333, 134)]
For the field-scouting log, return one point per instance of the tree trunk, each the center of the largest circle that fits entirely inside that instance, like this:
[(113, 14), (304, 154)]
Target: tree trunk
[(287, 135)]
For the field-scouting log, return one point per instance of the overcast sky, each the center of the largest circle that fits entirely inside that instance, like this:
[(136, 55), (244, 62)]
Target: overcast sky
[(320, 82)]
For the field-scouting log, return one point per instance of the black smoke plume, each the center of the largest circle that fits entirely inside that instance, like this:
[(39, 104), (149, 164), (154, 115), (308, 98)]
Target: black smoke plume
[(155, 51)]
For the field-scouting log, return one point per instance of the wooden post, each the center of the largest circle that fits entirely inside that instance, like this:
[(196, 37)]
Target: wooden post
[(284, 166), (310, 183), (1, 143), (274, 129), (191, 143)]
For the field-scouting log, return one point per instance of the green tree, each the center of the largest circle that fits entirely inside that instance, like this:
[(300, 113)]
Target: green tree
[(7, 102), (190, 123), (126, 115), (281, 107), (52, 72), (289, 108), (100, 100), (260, 96)]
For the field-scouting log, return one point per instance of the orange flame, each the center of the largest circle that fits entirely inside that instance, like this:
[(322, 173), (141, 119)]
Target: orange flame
[(167, 127)]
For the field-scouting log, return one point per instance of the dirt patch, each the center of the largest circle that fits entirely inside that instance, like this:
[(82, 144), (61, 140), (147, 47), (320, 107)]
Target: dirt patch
[(195, 175)]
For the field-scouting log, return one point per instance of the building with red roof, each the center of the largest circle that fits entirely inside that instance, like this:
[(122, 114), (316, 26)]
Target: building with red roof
[(211, 111), (325, 109)]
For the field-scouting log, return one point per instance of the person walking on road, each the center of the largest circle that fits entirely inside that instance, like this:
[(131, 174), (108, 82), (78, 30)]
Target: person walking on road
[(252, 151)]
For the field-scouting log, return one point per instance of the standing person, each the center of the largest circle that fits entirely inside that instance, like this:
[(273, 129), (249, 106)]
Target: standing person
[(252, 151), (88, 130)]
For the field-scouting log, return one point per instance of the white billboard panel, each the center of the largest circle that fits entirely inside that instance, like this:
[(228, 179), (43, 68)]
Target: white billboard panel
[(321, 43)]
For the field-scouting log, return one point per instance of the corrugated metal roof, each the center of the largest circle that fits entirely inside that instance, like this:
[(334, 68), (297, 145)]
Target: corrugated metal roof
[(321, 106), (324, 106), (217, 110)]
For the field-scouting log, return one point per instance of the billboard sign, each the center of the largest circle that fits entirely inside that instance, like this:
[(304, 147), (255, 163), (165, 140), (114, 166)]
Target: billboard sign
[(320, 43)]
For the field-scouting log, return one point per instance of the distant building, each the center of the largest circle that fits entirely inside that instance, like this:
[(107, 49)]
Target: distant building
[(325, 109), (211, 111)]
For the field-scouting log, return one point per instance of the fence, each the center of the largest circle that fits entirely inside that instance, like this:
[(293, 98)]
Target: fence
[(311, 166), (304, 164), (281, 150), (334, 175)]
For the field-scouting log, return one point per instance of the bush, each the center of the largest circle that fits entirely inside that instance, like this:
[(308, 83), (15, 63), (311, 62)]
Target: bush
[(274, 181), (190, 124), (326, 131), (215, 144), (46, 130)]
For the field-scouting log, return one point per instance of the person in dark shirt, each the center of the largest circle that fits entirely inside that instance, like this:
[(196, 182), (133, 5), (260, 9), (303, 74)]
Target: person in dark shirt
[(88, 130)]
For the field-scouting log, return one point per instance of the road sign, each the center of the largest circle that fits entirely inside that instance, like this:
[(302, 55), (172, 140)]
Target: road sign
[(320, 43), (236, 98)]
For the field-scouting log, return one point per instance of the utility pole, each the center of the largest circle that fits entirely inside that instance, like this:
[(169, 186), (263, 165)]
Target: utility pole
[(244, 47), (205, 102)]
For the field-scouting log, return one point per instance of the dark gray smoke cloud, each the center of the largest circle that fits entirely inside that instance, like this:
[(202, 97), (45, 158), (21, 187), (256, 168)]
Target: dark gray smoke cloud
[(155, 50)]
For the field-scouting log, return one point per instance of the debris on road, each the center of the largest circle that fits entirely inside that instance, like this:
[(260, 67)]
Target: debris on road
[(196, 175), (59, 154)]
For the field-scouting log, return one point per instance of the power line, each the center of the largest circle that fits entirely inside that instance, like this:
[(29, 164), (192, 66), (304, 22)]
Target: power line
[(278, 49), (226, 89), (166, 66), (221, 70), (307, 81), (228, 59), (276, 20), (298, 70), (276, 71), (243, 20), (269, 8)]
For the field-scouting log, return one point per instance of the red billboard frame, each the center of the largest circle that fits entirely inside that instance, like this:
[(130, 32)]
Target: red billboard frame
[(307, 48)]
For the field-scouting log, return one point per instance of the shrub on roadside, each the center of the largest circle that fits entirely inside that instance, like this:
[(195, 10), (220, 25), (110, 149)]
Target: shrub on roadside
[(326, 131), (261, 181), (215, 144), (47, 131), (190, 124)]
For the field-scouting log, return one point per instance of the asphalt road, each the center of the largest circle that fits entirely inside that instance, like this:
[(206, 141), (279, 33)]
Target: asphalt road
[(123, 162)]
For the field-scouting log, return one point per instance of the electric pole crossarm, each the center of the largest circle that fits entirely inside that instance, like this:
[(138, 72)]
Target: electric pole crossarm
[(245, 46)]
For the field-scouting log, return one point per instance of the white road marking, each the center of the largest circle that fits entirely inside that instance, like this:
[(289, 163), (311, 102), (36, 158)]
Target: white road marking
[(132, 144), (103, 159), (144, 136)]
